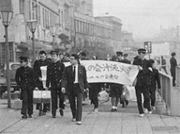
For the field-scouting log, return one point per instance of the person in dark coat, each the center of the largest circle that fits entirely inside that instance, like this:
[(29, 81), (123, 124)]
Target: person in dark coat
[(153, 82), (25, 80), (141, 84), (173, 63), (53, 82), (74, 83), (43, 61)]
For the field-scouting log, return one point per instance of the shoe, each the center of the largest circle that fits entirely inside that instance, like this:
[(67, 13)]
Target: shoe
[(112, 110), (150, 112), (96, 110), (79, 123), (40, 113), (30, 116), (141, 115), (54, 116), (73, 120), (127, 102), (154, 108), (145, 111), (24, 116), (61, 112)]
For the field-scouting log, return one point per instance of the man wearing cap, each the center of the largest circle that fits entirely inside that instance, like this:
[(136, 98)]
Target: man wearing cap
[(74, 83), (53, 82), (141, 86), (173, 63), (42, 62), (26, 82)]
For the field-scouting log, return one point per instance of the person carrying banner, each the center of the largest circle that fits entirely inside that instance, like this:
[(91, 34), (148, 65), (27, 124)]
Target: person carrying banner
[(25, 80), (53, 82), (43, 61), (74, 83), (141, 86)]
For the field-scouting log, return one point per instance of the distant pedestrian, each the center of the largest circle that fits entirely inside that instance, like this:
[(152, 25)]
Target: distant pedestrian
[(153, 82), (25, 80), (53, 82), (74, 83), (141, 86), (173, 63)]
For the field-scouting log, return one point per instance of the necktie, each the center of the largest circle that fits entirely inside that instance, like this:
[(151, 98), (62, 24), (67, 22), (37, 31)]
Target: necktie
[(74, 73)]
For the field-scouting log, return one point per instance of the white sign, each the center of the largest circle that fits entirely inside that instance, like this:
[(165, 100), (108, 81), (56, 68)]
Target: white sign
[(44, 75), (109, 72)]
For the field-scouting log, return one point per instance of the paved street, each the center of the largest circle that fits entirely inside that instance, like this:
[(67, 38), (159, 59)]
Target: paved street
[(125, 121)]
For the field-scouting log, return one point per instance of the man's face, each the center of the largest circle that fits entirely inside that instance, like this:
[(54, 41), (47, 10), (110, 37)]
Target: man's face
[(23, 63), (54, 57), (73, 60), (141, 55), (42, 57), (61, 56)]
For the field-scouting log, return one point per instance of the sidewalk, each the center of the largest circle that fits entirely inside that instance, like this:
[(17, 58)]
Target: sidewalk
[(124, 121)]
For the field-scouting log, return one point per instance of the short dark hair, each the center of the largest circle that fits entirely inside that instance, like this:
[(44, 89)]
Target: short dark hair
[(173, 54), (75, 56), (83, 54), (23, 58), (42, 52), (54, 52)]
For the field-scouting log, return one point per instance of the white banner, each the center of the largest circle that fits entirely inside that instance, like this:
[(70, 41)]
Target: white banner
[(109, 71)]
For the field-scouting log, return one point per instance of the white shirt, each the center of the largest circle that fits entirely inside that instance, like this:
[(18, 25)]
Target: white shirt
[(76, 74)]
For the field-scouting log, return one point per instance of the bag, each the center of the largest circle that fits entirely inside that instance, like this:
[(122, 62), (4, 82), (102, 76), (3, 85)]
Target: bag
[(41, 96), (46, 96), (103, 96)]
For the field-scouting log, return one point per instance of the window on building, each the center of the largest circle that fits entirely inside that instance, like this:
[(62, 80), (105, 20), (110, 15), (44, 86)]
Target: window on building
[(38, 14), (21, 6)]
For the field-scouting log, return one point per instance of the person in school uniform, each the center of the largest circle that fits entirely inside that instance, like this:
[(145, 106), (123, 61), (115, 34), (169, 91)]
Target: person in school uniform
[(141, 86), (53, 82), (153, 82), (25, 80), (41, 62)]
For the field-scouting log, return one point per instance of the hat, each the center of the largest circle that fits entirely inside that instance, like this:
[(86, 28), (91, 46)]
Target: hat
[(118, 53), (125, 55), (23, 58), (141, 50), (54, 52)]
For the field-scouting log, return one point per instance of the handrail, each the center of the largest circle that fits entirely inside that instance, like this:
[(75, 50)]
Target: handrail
[(178, 75), (166, 90)]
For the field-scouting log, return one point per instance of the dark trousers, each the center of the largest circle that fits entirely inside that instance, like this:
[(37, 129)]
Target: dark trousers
[(75, 99), (42, 107), (94, 101), (142, 90), (173, 74), (54, 97), (152, 96), (27, 101)]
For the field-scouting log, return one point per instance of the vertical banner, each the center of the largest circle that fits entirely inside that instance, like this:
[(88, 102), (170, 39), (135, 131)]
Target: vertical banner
[(44, 75)]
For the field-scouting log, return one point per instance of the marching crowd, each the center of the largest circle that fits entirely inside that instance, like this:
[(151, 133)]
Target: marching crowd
[(71, 83)]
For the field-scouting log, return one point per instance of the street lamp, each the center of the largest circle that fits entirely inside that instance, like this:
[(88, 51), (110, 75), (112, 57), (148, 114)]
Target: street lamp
[(6, 19), (53, 33), (32, 26)]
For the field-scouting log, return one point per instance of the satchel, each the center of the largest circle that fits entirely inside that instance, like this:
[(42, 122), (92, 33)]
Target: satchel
[(103, 96), (46, 96), (41, 96)]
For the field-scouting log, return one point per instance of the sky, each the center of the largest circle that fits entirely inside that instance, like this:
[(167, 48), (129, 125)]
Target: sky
[(141, 17)]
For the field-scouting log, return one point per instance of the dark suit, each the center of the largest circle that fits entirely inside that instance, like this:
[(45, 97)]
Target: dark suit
[(25, 81), (75, 90)]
